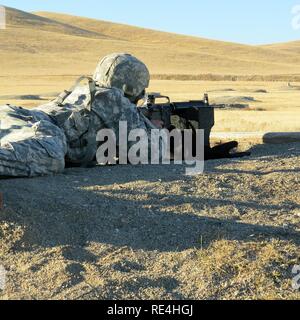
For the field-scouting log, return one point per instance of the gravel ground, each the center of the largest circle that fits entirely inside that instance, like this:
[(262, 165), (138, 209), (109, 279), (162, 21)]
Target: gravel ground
[(150, 232)]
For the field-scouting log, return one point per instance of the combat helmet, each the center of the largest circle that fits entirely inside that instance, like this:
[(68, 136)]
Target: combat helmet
[(125, 72)]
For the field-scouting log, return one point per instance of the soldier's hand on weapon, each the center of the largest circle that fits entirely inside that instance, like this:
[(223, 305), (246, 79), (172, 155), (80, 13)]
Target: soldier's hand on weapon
[(224, 151)]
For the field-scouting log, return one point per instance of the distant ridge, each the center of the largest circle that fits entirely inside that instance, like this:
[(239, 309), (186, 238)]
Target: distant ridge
[(17, 18), (228, 77), (292, 47)]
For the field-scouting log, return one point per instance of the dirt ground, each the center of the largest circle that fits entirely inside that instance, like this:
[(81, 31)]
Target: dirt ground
[(150, 232)]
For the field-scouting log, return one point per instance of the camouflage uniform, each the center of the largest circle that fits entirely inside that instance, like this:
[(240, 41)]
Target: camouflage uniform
[(37, 142), (30, 144)]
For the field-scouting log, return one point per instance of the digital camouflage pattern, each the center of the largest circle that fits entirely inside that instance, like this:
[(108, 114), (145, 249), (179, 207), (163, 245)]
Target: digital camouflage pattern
[(39, 141), (30, 144), (73, 116), (122, 71), (81, 120)]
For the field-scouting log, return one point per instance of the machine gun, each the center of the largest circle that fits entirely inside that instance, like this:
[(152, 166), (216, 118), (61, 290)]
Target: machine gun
[(194, 114)]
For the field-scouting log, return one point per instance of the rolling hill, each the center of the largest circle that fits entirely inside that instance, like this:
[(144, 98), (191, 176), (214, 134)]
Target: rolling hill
[(44, 43), (290, 47)]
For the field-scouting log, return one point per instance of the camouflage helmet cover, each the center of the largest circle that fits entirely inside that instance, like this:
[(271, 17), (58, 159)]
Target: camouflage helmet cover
[(122, 71)]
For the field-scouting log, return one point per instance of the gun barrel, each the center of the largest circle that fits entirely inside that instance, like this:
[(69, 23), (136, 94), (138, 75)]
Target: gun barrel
[(190, 104)]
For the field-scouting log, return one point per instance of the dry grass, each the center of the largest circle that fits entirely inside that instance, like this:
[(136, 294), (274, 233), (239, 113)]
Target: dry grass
[(227, 77), (50, 43), (276, 110), (253, 270), (43, 54), (132, 233)]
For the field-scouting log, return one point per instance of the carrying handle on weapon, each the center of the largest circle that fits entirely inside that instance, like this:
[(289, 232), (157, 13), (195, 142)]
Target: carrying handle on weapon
[(153, 96)]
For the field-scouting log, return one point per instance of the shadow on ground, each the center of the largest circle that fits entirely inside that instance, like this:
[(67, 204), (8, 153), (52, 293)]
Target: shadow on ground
[(77, 208)]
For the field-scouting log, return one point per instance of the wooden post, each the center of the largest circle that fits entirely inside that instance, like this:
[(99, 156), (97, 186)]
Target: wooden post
[(1, 201)]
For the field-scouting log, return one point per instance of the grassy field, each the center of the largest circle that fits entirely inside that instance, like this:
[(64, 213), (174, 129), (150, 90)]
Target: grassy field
[(276, 109), (42, 54), (50, 43)]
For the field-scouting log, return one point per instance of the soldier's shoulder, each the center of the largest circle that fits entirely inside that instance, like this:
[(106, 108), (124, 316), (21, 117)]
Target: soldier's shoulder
[(108, 97)]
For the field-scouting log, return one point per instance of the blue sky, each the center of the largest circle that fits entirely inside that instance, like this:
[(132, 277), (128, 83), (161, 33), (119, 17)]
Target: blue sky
[(251, 21)]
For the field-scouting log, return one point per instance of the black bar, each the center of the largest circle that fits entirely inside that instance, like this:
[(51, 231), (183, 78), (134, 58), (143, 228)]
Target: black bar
[(151, 309)]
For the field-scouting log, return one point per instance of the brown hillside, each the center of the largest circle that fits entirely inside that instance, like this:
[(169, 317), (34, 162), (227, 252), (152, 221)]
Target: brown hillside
[(56, 44)]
